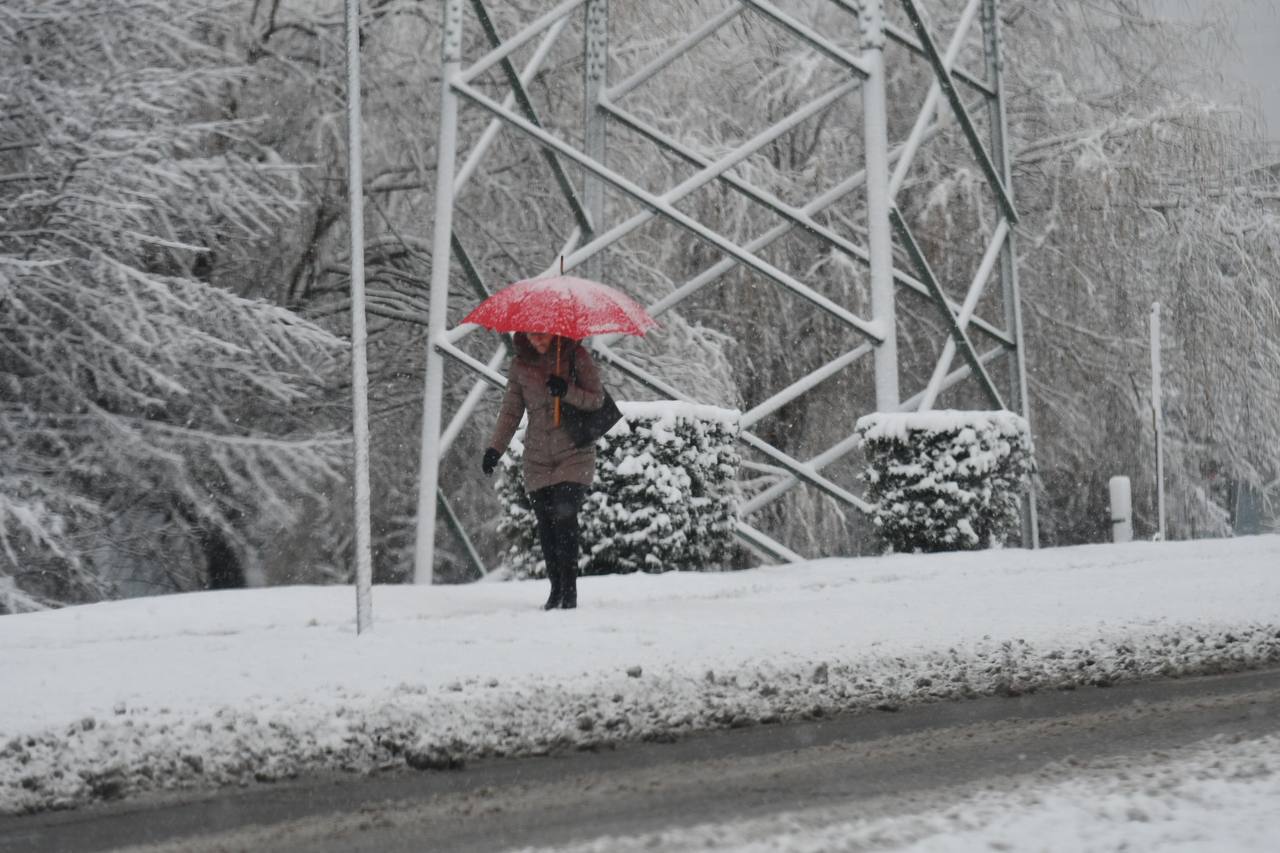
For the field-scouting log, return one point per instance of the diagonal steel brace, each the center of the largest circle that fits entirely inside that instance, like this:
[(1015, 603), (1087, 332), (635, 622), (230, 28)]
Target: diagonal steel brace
[(947, 82), (957, 331), (672, 214), (526, 106)]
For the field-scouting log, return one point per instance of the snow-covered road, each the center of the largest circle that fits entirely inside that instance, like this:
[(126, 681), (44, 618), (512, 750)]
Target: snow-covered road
[(1219, 797)]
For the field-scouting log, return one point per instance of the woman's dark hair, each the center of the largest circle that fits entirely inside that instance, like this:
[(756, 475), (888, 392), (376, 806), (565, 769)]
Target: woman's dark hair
[(525, 348)]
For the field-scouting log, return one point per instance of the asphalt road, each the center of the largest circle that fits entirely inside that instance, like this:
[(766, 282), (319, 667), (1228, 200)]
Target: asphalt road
[(886, 760)]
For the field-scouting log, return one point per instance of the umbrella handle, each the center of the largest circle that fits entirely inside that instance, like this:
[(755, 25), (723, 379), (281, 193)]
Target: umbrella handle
[(557, 402)]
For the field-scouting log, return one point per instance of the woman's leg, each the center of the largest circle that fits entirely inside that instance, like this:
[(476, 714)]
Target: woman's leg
[(543, 501), (565, 504)]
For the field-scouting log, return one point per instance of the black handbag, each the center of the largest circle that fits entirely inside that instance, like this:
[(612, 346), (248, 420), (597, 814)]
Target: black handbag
[(586, 426)]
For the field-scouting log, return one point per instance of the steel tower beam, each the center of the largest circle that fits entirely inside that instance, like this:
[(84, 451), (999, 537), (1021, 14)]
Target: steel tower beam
[(884, 171), (437, 319), (1020, 401)]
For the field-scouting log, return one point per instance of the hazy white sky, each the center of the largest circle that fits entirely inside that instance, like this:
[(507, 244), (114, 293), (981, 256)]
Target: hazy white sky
[(1257, 60)]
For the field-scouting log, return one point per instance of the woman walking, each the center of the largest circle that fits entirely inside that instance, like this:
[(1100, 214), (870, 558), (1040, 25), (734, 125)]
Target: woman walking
[(547, 368)]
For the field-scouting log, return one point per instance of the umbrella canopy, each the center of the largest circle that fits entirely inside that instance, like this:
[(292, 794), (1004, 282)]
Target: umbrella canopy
[(562, 305)]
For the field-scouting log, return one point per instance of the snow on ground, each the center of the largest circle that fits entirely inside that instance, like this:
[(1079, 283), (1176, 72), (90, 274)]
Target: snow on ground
[(219, 688), (1213, 797)]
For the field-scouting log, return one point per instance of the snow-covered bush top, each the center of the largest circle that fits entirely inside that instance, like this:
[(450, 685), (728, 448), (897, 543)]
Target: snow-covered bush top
[(945, 480), (663, 415), (662, 419), (898, 425), (663, 496)]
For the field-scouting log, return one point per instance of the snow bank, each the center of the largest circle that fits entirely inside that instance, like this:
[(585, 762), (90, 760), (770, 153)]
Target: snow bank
[(230, 687)]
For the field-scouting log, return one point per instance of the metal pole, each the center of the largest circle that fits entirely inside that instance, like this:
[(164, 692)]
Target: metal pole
[(1157, 416), (879, 233), (433, 395), (1019, 401), (595, 122), (359, 334)]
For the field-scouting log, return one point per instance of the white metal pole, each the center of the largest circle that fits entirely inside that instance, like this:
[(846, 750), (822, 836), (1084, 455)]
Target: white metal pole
[(433, 394), (1121, 494), (595, 122), (1020, 399), (1157, 415), (359, 335), (879, 235)]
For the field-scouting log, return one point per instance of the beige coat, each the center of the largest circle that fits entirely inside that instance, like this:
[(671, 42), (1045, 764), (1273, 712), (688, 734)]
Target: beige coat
[(549, 454)]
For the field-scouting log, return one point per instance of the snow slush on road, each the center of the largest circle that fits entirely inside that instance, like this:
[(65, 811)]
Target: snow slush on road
[(238, 687)]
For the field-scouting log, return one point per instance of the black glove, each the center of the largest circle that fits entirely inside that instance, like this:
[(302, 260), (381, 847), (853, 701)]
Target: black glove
[(557, 386), (490, 462)]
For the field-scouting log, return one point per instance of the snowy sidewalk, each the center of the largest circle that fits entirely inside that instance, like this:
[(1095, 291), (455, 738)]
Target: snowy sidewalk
[(218, 688)]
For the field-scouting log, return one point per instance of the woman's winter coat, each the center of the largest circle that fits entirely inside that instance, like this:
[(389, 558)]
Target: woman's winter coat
[(549, 454)]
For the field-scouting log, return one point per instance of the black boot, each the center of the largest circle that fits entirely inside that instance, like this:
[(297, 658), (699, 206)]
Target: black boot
[(556, 509), (569, 586), (554, 574), (569, 549), (555, 599), (550, 545)]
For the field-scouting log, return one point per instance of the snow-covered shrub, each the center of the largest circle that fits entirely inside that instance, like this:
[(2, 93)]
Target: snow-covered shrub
[(663, 496), (945, 481)]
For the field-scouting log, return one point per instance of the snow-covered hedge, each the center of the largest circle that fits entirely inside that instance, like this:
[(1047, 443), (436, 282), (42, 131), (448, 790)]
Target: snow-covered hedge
[(663, 498), (945, 481)]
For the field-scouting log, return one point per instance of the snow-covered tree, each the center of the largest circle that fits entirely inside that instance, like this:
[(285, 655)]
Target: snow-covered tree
[(1104, 136), (1137, 190), (153, 424)]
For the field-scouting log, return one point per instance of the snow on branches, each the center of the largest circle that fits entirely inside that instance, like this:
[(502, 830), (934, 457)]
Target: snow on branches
[(663, 497), (945, 480), (147, 415), (1136, 190)]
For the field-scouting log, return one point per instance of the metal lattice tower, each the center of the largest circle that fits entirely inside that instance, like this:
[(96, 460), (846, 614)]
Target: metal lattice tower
[(952, 96)]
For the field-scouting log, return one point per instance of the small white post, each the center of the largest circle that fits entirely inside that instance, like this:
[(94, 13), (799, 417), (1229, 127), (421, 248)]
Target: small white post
[(879, 229), (359, 336), (1121, 509), (1157, 416)]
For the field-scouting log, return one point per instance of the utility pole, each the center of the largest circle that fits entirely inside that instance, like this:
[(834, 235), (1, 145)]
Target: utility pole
[(1157, 415), (438, 307), (879, 229), (359, 334)]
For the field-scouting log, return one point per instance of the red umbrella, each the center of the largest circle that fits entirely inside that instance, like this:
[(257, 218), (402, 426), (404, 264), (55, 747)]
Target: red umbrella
[(562, 305)]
